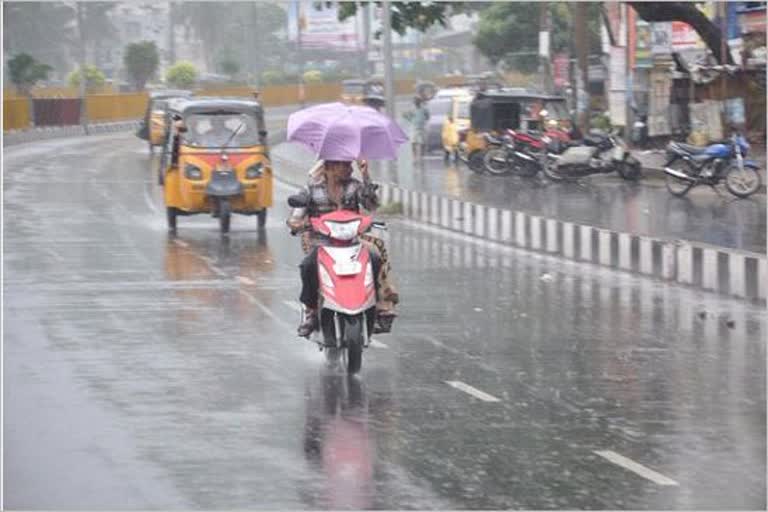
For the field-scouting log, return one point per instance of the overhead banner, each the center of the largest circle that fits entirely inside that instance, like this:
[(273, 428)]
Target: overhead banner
[(321, 28)]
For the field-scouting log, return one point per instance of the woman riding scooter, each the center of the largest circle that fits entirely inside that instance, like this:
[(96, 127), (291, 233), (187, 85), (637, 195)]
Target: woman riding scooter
[(332, 187)]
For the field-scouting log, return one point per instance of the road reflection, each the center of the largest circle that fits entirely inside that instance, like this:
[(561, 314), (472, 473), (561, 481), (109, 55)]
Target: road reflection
[(338, 441)]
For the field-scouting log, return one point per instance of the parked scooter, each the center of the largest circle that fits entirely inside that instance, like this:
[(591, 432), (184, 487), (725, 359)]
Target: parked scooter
[(597, 154), (688, 166), (347, 286)]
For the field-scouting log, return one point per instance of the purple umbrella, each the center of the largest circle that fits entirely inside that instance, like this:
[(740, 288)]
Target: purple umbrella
[(336, 131)]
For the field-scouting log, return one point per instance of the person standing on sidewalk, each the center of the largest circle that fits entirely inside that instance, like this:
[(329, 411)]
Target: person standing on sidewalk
[(418, 119)]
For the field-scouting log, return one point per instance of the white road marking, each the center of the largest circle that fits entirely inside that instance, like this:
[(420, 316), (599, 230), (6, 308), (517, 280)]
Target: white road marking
[(377, 344), (148, 199), (246, 280), (181, 243), (293, 305), (482, 395), (635, 467)]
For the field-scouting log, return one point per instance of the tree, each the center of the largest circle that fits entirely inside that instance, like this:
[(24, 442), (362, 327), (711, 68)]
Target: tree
[(183, 75), (141, 62), (43, 30), (416, 15), (686, 12), (229, 66), (509, 32), (94, 78), (25, 72), (313, 76)]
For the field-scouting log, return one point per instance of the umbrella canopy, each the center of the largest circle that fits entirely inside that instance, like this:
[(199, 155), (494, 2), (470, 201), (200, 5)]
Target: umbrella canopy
[(336, 131)]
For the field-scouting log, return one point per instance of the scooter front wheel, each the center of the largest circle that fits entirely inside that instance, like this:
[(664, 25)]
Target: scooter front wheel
[(353, 334)]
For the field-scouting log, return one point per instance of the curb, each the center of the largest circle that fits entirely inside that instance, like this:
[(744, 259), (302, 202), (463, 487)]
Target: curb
[(53, 132), (729, 272)]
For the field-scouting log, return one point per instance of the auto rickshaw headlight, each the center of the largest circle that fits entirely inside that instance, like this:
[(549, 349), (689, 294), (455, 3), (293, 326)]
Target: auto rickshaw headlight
[(192, 172), (254, 171)]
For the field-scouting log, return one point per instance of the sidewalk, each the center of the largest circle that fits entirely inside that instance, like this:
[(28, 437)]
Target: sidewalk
[(653, 161)]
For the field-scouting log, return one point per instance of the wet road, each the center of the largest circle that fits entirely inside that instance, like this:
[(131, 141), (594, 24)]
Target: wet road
[(147, 371), (608, 202)]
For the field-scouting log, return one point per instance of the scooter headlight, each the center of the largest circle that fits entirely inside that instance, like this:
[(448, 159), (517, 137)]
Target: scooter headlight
[(254, 171), (343, 230), (192, 172)]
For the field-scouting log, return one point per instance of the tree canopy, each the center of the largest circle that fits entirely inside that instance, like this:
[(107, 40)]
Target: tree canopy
[(182, 75), (509, 32), (94, 78), (141, 61), (25, 72)]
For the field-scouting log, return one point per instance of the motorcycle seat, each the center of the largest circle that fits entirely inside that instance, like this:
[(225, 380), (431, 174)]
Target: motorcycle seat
[(689, 148), (594, 139)]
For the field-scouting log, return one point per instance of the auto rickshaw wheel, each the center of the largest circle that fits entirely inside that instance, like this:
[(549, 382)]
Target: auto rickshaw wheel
[(262, 218), (225, 215), (171, 215)]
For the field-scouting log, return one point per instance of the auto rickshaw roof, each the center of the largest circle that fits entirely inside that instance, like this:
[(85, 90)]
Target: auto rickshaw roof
[(170, 93), (216, 105), (513, 95)]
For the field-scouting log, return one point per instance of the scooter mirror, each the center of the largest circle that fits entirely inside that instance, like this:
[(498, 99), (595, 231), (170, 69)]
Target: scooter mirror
[(297, 201)]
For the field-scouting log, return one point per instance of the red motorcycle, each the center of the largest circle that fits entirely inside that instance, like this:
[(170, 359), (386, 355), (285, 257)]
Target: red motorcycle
[(347, 301), (521, 153)]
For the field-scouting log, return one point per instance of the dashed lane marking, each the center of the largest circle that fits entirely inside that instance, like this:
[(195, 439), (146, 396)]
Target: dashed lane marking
[(181, 243), (481, 395), (246, 280), (636, 467), (377, 344)]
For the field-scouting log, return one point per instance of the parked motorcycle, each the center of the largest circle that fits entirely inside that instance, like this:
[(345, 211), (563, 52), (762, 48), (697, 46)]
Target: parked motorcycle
[(596, 154), (688, 166), (346, 306), (521, 153)]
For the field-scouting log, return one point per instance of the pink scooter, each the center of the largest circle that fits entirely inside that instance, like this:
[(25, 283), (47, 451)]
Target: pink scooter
[(347, 305)]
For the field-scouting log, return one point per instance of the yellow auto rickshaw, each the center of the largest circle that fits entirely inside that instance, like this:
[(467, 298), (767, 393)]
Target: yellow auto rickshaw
[(218, 160), (499, 110), (153, 127)]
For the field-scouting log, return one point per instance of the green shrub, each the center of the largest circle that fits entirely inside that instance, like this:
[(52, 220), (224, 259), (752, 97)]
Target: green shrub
[(182, 75)]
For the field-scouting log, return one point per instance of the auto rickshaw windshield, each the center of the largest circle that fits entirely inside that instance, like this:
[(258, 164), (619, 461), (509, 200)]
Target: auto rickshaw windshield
[(216, 130), (463, 112)]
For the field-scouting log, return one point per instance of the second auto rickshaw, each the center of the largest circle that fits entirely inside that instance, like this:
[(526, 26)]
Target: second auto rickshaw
[(153, 126), (219, 161)]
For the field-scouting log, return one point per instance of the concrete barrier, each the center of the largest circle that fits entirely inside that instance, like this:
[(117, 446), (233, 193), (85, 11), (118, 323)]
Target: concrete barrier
[(726, 271)]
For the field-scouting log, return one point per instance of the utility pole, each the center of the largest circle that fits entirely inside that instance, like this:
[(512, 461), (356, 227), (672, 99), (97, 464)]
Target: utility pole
[(582, 52), (630, 58), (367, 37), (299, 52), (389, 83), (81, 33), (171, 33), (545, 71)]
